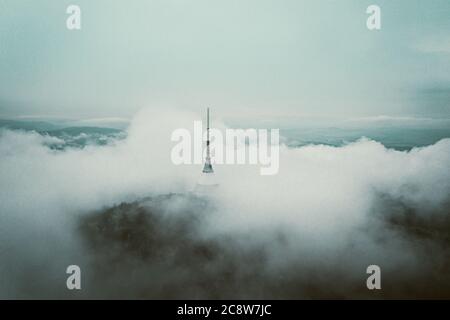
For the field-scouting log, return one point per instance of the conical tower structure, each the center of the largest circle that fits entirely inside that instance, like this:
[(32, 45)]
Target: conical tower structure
[(208, 178), (207, 167)]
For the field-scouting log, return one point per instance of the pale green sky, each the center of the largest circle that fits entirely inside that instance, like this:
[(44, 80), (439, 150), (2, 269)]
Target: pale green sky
[(245, 57)]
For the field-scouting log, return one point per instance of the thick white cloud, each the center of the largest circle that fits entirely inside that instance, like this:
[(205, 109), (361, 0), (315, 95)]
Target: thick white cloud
[(321, 200)]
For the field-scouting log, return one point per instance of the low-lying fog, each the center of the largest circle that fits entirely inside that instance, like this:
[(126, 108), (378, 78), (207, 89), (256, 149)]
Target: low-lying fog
[(126, 215)]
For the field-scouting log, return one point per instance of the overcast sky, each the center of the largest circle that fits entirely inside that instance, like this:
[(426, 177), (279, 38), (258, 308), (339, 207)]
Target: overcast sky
[(258, 58)]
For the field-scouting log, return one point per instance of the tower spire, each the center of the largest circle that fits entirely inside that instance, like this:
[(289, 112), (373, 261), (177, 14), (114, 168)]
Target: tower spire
[(207, 181), (208, 167)]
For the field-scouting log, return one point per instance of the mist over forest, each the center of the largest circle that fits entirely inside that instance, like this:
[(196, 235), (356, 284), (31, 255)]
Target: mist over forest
[(110, 200)]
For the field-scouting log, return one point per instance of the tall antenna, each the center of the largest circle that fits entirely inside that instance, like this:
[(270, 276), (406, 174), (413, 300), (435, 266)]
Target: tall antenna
[(208, 167), (208, 181), (208, 155)]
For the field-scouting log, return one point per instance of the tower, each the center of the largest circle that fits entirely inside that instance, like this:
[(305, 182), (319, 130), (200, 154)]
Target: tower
[(207, 180), (207, 167)]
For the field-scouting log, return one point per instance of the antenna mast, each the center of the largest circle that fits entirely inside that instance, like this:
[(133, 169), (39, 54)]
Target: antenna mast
[(208, 167)]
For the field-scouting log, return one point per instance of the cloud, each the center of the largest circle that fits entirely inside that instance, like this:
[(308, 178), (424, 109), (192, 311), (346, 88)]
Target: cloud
[(125, 214)]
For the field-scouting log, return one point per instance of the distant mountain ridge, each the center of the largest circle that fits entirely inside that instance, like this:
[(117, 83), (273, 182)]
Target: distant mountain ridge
[(28, 125), (72, 131), (55, 129)]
